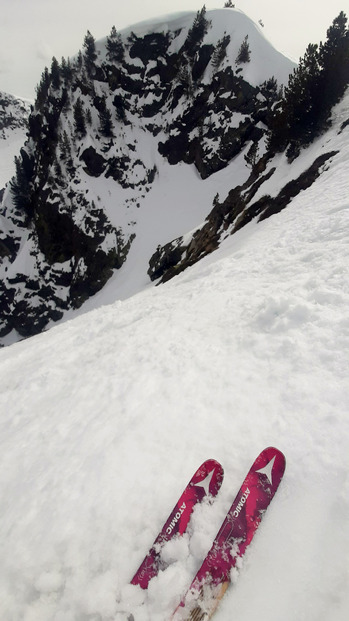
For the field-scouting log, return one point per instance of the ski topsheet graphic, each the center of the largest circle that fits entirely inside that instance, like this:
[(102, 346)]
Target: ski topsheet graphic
[(235, 534), (206, 481)]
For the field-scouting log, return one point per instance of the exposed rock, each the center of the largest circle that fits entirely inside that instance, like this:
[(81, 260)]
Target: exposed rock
[(233, 214), (14, 114), (95, 163)]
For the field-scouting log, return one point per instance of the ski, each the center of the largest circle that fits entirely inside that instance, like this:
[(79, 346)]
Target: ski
[(206, 482), (234, 536)]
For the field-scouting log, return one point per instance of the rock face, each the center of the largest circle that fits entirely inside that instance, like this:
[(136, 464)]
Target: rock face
[(69, 216), (234, 213), (14, 114)]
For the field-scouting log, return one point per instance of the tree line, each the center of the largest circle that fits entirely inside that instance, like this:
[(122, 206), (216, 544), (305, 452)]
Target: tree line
[(316, 85)]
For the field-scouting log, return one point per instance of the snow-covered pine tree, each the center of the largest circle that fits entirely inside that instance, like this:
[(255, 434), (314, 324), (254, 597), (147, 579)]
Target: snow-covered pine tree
[(220, 51), (244, 53)]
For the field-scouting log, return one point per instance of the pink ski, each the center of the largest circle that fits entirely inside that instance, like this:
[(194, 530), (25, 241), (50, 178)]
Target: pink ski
[(236, 533), (206, 481)]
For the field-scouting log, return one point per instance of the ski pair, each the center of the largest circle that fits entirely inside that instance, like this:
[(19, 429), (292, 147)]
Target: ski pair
[(206, 482), (231, 541)]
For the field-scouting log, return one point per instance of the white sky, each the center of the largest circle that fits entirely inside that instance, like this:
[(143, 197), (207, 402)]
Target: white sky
[(32, 31)]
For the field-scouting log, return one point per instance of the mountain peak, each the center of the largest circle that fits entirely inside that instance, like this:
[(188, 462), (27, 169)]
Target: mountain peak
[(133, 144)]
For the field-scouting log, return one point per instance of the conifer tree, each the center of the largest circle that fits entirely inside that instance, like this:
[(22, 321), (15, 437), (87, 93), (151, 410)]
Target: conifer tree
[(269, 89), (66, 70), (55, 74), (120, 108), (334, 61), (301, 95), (115, 48), (186, 79), (314, 87), (42, 88), (90, 54), (105, 120), (20, 185), (197, 32), (65, 147), (244, 53), (79, 60), (220, 51), (79, 118)]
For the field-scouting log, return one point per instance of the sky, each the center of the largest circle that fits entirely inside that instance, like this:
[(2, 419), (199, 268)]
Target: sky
[(33, 31)]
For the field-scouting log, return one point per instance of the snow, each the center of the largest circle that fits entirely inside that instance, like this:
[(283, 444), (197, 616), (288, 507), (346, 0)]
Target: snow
[(223, 21), (106, 417), (8, 150)]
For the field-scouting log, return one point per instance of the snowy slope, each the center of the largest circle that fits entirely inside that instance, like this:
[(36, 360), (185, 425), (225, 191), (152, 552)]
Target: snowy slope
[(105, 418)]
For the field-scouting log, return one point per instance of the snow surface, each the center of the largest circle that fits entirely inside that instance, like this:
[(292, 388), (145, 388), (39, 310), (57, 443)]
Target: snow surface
[(8, 149), (106, 417)]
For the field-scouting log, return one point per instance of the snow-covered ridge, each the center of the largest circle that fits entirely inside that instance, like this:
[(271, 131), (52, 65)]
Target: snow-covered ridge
[(267, 61)]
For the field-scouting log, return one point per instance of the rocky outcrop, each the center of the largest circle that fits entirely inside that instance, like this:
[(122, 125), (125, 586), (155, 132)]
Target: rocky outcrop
[(234, 213), (14, 114), (211, 120)]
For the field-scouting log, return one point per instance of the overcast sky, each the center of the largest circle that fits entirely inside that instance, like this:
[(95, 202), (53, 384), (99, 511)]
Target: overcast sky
[(32, 31)]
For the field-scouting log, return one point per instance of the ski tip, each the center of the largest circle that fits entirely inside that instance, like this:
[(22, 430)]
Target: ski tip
[(272, 450), (209, 476), (270, 464)]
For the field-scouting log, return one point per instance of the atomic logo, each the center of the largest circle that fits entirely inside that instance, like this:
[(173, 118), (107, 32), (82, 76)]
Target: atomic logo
[(206, 482), (267, 470)]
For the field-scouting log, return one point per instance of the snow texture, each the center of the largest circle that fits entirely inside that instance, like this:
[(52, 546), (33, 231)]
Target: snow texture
[(106, 417)]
